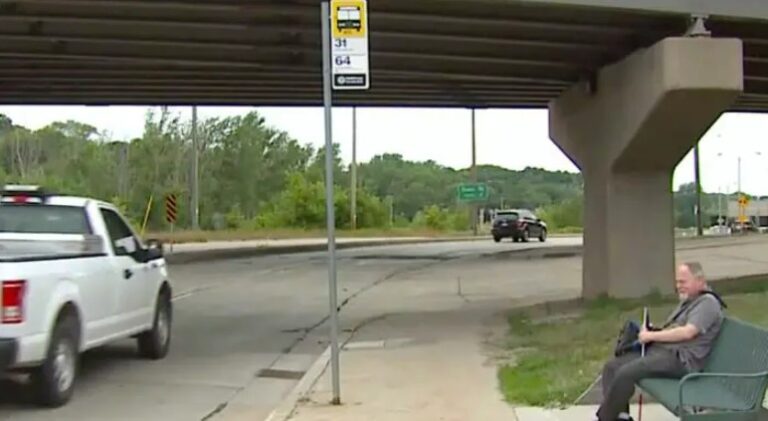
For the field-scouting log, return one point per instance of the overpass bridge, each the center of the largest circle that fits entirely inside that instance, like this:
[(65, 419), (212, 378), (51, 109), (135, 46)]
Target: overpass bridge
[(631, 86)]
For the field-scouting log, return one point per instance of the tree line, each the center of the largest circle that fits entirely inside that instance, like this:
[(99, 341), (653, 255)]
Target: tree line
[(252, 176)]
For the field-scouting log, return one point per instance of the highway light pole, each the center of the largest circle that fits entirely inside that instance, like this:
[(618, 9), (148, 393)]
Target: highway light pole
[(195, 205), (353, 171), (697, 170), (473, 207), (739, 192)]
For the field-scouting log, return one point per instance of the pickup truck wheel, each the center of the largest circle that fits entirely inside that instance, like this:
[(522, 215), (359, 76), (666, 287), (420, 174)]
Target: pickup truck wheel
[(54, 381), (154, 344)]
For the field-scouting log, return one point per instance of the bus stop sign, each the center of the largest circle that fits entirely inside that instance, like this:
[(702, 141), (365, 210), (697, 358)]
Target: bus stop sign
[(349, 46)]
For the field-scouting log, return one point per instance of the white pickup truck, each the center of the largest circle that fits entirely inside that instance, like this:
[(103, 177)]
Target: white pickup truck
[(74, 276)]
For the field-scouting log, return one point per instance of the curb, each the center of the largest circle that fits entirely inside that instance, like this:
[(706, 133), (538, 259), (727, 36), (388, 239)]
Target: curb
[(194, 256), (545, 252), (287, 406)]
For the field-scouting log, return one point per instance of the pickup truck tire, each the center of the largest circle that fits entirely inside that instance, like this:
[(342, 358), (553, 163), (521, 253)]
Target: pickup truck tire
[(154, 343), (54, 381)]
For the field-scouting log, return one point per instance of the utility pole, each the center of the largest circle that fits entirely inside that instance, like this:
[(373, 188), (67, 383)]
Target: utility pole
[(195, 205), (739, 194), (122, 184), (719, 208), (353, 187), (697, 170), (474, 172), (739, 176)]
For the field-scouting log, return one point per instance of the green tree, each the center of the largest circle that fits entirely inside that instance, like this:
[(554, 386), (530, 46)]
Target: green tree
[(563, 215), (254, 175)]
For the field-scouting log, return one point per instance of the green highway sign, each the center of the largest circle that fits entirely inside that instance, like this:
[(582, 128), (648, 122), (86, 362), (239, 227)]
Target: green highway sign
[(474, 192)]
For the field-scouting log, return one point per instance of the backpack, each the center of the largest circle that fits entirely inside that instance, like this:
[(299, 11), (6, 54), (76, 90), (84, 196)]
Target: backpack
[(627, 341)]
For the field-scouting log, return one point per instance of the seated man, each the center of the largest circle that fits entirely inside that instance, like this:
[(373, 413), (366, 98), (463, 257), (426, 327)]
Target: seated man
[(680, 347)]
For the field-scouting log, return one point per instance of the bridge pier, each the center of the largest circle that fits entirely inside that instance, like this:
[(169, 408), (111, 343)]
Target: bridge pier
[(627, 131)]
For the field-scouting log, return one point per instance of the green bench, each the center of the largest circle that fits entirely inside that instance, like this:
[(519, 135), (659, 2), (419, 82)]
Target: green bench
[(731, 387)]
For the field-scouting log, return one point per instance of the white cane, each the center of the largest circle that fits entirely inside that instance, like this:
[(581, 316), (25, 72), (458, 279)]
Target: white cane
[(642, 354)]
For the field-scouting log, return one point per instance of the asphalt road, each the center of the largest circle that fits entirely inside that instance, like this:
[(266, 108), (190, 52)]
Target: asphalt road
[(245, 330)]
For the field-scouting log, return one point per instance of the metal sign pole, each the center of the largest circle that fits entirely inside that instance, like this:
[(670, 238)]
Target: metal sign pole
[(474, 206), (329, 203)]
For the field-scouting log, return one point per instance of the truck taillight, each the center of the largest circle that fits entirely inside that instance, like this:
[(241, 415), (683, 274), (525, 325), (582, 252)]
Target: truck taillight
[(13, 302)]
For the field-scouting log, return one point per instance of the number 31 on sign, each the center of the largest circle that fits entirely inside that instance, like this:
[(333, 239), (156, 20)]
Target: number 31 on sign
[(349, 24)]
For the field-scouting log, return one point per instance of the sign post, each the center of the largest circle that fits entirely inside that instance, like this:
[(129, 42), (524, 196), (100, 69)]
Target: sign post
[(329, 205), (743, 202), (171, 213), (344, 26)]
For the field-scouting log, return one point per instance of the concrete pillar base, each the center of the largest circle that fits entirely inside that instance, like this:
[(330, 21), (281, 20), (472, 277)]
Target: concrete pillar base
[(627, 137)]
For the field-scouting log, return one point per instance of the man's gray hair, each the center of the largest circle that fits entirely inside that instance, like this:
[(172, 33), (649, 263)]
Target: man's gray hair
[(696, 269)]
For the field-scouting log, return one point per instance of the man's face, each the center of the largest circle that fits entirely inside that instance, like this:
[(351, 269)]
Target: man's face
[(687, 285)]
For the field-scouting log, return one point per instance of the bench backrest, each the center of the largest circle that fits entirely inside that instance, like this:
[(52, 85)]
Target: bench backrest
[(740, 348)]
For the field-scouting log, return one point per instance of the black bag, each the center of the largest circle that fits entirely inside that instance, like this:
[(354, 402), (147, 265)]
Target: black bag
[(627, 340)]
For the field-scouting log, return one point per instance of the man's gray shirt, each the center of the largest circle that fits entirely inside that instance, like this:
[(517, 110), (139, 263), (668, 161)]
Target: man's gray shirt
[(706, 314)]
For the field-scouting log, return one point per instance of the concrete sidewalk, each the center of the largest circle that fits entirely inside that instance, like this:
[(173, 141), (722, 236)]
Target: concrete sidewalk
[(408, 367), (438, 367), (426, 345)]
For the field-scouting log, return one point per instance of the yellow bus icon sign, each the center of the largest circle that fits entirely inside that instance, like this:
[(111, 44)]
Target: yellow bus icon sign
[(349, 18)]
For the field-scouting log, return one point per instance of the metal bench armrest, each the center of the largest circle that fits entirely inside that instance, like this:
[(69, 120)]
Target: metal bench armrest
[(708, 377)]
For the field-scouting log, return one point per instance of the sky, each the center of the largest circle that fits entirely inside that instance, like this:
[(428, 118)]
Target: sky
[(514, 139)]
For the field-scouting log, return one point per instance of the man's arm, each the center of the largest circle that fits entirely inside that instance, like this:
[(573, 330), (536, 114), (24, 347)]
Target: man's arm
[(676, 334), (701, 319)]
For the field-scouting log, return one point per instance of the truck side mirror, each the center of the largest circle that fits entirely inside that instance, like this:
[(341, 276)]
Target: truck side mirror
[(154, 249)]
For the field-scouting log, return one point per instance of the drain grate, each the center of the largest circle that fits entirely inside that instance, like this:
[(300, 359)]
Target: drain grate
[(271, 373)]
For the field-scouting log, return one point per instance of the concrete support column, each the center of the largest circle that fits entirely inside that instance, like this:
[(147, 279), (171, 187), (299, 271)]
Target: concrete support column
[(627, 131)]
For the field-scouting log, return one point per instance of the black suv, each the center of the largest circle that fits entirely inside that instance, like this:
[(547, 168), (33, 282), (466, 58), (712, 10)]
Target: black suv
[(519, 224)]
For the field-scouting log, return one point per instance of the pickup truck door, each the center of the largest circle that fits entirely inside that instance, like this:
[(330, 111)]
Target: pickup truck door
[(132, 276)]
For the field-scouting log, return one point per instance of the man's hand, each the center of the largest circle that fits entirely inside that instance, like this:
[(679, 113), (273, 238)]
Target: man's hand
[(646, 336)]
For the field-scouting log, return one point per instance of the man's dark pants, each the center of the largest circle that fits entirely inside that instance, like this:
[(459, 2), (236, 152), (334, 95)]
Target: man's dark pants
[(621, 374)]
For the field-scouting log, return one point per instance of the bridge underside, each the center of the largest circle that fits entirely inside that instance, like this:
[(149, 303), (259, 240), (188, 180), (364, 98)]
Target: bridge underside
[(265, 52)]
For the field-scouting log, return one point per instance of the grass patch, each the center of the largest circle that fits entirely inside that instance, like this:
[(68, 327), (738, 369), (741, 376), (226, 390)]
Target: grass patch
[(556, 361), (567, 230), (282, 234)]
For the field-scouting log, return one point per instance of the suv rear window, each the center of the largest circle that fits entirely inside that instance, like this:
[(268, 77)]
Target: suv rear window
[(507, 216), (43, 219)]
